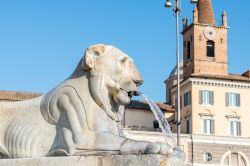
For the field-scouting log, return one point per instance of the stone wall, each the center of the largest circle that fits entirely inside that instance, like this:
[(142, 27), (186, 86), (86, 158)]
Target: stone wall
[(195, 146), (197, 150)]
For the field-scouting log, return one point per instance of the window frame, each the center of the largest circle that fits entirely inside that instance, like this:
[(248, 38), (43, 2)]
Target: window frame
[(212, 125), (236, 103), (241, 158), (206, 97), (237, 129), (187, 102), (210, 49), (188, 127)]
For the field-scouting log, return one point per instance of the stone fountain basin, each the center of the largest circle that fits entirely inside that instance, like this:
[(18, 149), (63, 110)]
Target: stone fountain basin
[(106, 160)]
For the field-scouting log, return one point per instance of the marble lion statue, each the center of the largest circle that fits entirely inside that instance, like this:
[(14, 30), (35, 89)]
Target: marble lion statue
[(82, 115)]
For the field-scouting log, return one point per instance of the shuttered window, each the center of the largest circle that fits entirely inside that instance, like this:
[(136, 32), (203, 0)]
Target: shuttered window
[(208, 125), (235, 127), (206, 97), (187, 98), (233, 99), (188, 126)]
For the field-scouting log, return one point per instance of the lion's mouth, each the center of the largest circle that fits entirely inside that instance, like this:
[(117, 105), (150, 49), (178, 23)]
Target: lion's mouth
[(134, 93), (131, 93)]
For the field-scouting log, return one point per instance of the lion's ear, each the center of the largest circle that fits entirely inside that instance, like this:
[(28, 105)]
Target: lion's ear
[(91, 54), (89, 59)]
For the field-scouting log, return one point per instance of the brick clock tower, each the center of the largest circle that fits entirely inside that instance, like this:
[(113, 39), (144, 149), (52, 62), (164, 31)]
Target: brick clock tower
[(204, 42)]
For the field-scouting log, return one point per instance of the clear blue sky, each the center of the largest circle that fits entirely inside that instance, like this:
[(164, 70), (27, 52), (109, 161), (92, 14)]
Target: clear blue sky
[(42, 41)]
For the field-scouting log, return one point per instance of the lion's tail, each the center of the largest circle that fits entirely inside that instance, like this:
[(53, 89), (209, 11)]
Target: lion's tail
[(3, 151)]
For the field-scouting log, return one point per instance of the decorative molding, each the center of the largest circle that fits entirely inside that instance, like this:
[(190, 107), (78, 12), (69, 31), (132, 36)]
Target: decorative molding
[(206, 114), (183, 83), (219, 83), (213, 140), (214, 82), (196, 138), (232, 116), (203, 25)]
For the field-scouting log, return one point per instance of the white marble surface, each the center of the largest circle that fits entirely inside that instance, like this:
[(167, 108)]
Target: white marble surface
[(112, 160), (84, 112)]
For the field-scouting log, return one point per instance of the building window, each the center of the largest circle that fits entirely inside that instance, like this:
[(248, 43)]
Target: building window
[(207, 157), (208, 125), (188, 50), (187, 98), (235, 127), (235, 159), (156, 124), (210, 49), (188, 126), (206, 97), (233, 99)]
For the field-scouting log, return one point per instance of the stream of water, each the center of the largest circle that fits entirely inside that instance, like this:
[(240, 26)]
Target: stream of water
[(163, 124)]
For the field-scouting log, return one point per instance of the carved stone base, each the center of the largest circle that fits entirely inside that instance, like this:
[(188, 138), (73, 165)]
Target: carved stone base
[(109, 160)]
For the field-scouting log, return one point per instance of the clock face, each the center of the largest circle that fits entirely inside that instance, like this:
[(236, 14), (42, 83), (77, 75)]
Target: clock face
[(210, 33)]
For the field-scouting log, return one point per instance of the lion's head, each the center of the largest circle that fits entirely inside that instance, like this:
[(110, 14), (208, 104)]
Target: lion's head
[(113, 77)]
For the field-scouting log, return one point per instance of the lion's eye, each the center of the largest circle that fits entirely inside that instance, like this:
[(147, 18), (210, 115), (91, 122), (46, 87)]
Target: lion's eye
[(123, 59)]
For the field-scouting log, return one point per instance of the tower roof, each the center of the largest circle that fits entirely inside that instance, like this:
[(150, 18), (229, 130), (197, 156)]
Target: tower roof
[(205, 12)]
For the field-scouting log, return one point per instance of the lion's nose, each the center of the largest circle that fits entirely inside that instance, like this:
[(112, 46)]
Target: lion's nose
[(136, 77)]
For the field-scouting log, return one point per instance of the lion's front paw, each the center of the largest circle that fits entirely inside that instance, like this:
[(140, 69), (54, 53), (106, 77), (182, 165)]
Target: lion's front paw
[(143, 147), (158, 148)]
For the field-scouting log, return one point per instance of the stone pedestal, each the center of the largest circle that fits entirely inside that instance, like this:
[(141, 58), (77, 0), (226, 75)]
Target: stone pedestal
[(110, 160)]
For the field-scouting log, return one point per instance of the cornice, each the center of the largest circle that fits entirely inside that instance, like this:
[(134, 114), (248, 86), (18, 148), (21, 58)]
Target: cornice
[(220, 83), (214, 82), (203, 25)]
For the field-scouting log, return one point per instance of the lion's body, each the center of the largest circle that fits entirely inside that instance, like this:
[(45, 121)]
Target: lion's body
[(23, 129), (81, 114), (35, 117)]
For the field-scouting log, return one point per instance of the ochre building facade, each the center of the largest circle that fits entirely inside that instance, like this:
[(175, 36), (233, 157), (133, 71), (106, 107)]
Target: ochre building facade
[(215, 104)]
